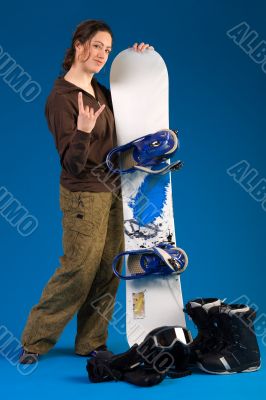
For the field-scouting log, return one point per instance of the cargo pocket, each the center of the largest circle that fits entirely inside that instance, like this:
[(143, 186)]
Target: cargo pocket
[(77, 230), (77, 238)]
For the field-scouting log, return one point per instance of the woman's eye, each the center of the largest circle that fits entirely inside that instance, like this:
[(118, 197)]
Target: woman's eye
[(99, 47)]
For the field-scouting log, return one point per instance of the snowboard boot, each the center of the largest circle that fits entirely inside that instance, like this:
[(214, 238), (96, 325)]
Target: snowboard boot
[(207, 338), (27, 357), (237, 348)]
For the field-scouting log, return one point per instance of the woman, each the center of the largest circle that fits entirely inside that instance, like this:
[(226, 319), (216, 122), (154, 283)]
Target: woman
[(80, 117)]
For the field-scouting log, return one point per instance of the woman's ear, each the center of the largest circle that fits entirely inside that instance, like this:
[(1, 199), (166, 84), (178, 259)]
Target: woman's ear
[(78, 45)]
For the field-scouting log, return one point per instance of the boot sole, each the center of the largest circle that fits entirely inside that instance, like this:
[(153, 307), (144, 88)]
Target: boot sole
[(29, 359), (232, 371)]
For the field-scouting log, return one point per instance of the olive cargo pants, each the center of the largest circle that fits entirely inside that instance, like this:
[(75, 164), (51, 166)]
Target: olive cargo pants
[(84, 283)]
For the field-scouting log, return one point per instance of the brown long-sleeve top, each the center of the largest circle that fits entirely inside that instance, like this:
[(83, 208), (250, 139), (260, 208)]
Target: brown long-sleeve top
[(82, 155)]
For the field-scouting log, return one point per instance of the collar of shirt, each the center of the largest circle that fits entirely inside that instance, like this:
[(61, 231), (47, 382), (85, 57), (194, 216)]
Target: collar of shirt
[(62, 86)]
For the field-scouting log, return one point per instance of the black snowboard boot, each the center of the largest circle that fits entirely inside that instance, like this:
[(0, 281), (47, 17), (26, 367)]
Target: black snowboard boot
[(208, 334), (237, 349)]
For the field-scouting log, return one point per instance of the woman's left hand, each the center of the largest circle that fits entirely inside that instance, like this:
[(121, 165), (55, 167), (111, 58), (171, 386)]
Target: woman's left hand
[(141, 47)]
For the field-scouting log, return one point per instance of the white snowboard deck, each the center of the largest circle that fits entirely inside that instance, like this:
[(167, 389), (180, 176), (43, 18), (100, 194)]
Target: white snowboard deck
[(139, 88)]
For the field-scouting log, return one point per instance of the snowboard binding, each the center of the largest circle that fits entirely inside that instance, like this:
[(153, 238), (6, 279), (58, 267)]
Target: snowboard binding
[(147, 154), (163, 259)]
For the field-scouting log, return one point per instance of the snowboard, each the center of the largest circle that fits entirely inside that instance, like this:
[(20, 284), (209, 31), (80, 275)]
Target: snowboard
[(139, 90)]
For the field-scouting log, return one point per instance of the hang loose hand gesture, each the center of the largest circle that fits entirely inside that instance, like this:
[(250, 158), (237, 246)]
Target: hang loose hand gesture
[(87, 117)]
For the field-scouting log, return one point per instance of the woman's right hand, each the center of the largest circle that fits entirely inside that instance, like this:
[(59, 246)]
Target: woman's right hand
[(87, 117)]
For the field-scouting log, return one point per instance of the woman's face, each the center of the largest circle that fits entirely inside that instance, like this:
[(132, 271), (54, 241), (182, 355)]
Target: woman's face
[(96, 51)]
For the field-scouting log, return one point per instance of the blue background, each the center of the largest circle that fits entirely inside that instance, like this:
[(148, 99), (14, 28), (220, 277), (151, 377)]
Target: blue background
[(217, 101)]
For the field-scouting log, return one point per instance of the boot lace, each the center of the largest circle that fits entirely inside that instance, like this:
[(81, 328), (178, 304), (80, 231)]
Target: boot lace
[(228, 338)]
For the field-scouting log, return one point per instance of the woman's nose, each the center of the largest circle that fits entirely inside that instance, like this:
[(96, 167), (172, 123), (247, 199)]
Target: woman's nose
[(100, 53)]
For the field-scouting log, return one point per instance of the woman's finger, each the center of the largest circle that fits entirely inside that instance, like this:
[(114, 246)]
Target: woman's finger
[(144, 47), (147, 46), (98, 112), (80, 102), (135, 46), (140, 46)]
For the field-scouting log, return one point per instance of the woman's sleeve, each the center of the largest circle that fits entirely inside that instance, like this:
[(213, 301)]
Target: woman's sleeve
[(73, 145)]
